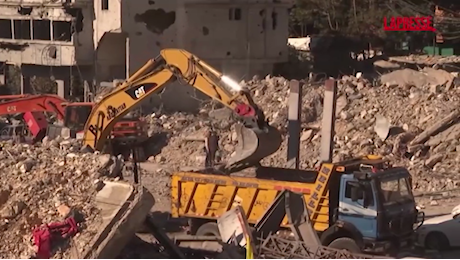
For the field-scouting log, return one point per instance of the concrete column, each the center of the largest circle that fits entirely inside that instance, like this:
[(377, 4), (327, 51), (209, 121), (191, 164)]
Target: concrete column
[(127, 44), (86, 91), (21, 83), (3, 73), (294, 116), (25, 84), (60, 88), (328, 127)]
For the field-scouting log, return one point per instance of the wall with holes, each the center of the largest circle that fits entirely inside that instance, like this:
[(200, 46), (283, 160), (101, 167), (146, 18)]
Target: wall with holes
[(240, 38), (108, 18), (45, 33)]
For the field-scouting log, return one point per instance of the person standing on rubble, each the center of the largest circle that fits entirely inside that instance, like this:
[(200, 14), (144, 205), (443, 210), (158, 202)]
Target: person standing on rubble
[(211, 145)]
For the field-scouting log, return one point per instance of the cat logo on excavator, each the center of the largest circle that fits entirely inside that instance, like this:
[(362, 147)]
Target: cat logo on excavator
[(139, 92)]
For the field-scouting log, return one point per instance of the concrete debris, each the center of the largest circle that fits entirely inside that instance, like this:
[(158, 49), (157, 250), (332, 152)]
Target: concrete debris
[(426, 78), (386, 64), (382, 127), (45, 183), (434, 203), (425, 59), (412, 108)]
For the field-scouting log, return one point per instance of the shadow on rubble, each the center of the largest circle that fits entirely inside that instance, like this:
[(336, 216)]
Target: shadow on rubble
[(141, 249), (167, 222), (155, 143)]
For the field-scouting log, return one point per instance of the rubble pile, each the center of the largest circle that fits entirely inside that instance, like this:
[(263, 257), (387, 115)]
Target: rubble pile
[(408, 106), (47, 183)]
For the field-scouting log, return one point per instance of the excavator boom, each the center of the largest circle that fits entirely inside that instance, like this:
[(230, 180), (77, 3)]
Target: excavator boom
[(40, 103), (257, 139)]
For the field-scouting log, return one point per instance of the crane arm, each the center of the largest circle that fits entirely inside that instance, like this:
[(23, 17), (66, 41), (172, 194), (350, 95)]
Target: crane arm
[(180, 65), (48, 103)]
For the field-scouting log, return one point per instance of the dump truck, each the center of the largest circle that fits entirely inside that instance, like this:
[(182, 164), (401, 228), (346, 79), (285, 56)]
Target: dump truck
[(359, 205)]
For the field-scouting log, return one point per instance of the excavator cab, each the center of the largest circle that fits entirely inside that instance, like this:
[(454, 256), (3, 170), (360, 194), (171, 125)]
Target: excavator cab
[(76, 115)]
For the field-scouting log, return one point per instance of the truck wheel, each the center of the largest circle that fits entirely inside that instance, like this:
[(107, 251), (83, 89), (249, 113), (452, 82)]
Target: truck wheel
[(345, 243), (436, 241), (208, 229)]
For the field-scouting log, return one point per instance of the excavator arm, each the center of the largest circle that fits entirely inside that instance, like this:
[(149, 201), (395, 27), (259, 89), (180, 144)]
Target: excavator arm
[(256, 138), (42, 103)]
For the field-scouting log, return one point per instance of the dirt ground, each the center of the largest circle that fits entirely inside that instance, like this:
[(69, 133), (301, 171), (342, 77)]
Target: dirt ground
[(157, 181)]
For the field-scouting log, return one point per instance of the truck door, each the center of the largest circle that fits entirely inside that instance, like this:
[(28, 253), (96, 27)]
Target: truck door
[(353, 212)]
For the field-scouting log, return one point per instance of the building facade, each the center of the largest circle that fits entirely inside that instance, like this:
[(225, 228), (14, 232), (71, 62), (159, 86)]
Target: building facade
[(106, 40)]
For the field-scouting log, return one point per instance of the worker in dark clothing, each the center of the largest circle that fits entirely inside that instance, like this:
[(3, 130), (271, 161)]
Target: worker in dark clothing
[(211, 145)]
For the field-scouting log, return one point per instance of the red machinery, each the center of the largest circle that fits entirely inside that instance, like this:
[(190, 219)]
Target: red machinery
[(36, 123), (73, 115), (33, 103)]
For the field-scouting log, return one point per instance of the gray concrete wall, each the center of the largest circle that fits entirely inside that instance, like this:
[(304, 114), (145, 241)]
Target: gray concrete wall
[(239, 38), (111, 57)]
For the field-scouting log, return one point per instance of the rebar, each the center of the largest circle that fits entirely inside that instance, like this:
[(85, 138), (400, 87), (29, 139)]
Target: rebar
[(275, 247)]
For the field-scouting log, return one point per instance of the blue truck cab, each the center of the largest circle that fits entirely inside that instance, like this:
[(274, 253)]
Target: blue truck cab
[(376, 208)]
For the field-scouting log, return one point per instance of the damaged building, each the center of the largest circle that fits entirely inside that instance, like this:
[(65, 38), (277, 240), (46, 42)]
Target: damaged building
[(46, 39), (103, 41)]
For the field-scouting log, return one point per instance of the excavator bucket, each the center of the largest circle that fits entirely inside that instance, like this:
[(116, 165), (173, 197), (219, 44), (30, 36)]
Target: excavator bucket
[(253, 146)]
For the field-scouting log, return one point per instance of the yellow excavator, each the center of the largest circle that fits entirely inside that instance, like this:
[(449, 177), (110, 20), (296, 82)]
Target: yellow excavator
[(256, 138)]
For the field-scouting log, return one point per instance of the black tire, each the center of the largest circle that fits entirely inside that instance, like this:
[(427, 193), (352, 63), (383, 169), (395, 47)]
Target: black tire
[(208, 229), (437, 241), (345, 243)]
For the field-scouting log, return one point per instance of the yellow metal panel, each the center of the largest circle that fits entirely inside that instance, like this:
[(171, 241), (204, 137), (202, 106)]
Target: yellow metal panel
[(262, 202), (254, 195)]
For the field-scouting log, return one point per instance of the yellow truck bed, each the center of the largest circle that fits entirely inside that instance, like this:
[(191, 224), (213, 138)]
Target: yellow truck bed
[(208, 196)]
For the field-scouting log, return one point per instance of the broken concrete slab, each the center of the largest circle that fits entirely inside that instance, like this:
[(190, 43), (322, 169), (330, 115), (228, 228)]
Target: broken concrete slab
[(221, 114), (386, 64), (440, 77), (382, 127), (433, 160), (419, 79), (450, 134), (124, 209)]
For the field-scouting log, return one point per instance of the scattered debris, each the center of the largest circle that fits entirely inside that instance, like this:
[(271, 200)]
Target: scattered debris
[(47, 183), (412, 138), (411, 118)]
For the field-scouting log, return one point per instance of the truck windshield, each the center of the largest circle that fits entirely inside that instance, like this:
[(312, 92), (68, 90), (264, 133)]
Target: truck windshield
[(395, 191)]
